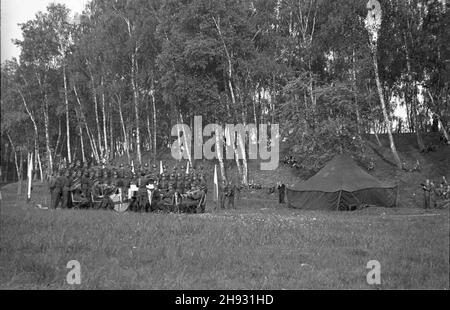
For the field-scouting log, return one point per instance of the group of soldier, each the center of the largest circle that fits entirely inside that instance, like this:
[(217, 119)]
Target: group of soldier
[(86, 186), (435, 194)]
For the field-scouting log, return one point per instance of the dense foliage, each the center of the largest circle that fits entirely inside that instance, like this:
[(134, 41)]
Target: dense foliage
[(115, 79)]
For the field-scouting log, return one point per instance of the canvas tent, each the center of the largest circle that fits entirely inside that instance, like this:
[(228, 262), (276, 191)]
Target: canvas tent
[(340, 185)]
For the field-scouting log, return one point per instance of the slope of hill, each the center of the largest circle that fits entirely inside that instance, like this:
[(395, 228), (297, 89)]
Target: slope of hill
[(433, 165)]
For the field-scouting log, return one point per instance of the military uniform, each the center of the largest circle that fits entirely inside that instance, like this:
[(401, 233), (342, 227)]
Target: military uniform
[(85, 184), (229, 193), (194, 201), (52, 186), (179, 184), (281, 192), (186, 184), (141, 198), (427, 190), (96, 188), (163, 185), (107, 190), (67, 183), (203, 184), (222, 194), (146, 170), (168, 198)]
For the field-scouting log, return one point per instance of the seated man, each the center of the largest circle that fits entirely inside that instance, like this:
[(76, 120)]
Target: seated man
[(163, 200), (194, 200), (108, 189), (97, 189)]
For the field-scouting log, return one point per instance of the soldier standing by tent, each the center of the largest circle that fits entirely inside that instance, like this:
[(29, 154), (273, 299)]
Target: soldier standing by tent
[(427, 189), (281, 192)]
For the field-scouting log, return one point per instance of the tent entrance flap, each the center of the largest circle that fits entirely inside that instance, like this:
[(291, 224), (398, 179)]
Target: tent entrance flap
[(339, 200)]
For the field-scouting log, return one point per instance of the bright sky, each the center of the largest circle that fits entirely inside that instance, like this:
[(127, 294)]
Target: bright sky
[(20, 11)]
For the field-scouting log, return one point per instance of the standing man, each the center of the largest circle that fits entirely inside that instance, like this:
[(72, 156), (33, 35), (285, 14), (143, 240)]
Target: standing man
[(85, 184), (281, 192), (66, 184), (222, 194), (58, 189), (230, 195), (52, 187), (427, 188)]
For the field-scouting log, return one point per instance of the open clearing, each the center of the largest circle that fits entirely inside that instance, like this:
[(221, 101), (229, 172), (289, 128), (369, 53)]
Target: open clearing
[(258, 246)]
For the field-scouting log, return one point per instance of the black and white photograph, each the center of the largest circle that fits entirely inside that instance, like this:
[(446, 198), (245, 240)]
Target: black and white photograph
[(225, 150)]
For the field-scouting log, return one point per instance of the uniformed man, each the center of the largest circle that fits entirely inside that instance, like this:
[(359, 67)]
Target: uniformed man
[(427, 189), (76, 181), (200, 196), (142, 192), (52, 188), (78, 191), (66, 189), (121, 182), (179, 184), (169, 198), (163, 186), (172, 179), (85, 184), (222, 194), (194, 200), (230, 191), (203, 183), (121, 171), (146, 170), (186, 183), (281, 192), (201, 174), (191, 171), (183, 172), (97, 188), (371, 165), (57, 193), (108, 189)]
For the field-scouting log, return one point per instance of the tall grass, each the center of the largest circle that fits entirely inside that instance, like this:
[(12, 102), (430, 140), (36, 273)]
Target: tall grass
[(248, 248)]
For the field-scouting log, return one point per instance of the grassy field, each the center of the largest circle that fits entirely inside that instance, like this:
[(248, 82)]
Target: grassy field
[(261, 245)]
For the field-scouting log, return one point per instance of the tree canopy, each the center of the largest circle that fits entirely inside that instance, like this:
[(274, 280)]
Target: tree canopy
[(130, 70)]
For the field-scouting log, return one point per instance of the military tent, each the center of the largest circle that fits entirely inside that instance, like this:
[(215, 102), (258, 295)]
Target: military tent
[(341, 185)]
